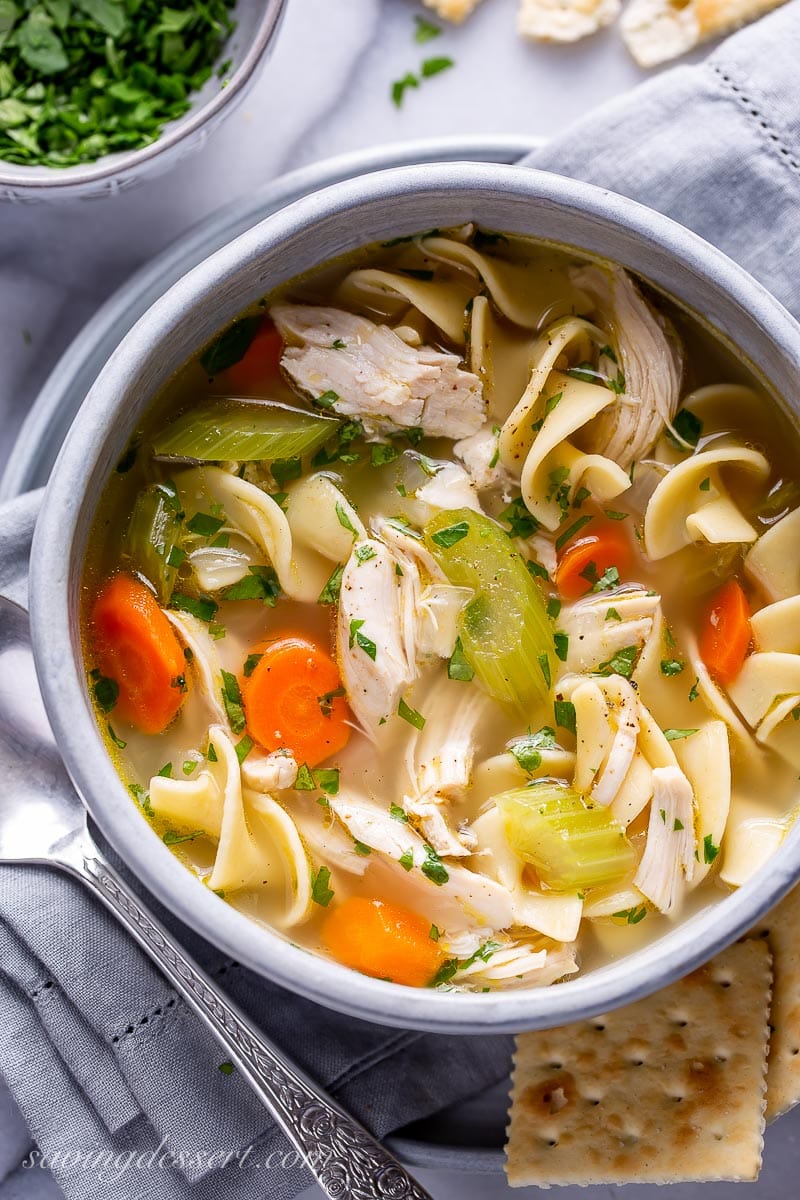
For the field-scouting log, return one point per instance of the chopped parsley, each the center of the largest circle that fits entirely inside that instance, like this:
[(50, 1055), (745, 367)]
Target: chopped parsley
[(675, 735), (519, 520), (694, 690), (564, 711), (226, 1068), (284, 470), (105, 691), (325, 701), (232, 700), (613, 615), (362, 849), (620, 663), (380, 455), (243, 747), (118, 741), (451, 534), (321, 893), (410, 714), (401, 86), (204, 524), (329, 398), (425, 30), (360, 639), (572, 530), (553, 608), (710, 851), (435, 66), (561, 644), (614, 515), (365, 552), (305, 780), (330, 593), (672, 666), (171, 838), (406, 860), (536, 570), (202, 607), (632, 916), (458, 667), (705, 484), (453, 965), (686, 430), (544, 667), (527, 748), (250, 664), (344, 519), (433, 868), (261, 583), (434, 933), (398, 814), (327, 779)]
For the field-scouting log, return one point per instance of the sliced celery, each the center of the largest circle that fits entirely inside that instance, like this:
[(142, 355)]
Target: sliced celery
[(226, 430), (506, 634), (572, 844), (151, 540)]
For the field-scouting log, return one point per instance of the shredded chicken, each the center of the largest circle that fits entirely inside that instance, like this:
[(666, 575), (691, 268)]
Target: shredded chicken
[(602, 625), (668, 860), (480, 456), (376, 376), (269, 772), (373, 655), (650, 363), (439, 762)]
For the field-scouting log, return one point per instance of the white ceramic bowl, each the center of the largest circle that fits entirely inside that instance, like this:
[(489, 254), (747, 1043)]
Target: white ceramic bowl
[(257, 23), (318, 227)]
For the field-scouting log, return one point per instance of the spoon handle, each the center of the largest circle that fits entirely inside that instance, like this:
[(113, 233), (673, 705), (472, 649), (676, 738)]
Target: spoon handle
[(344, 1158)]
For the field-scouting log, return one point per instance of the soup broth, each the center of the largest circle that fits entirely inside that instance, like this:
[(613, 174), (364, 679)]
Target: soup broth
[(443, 613)]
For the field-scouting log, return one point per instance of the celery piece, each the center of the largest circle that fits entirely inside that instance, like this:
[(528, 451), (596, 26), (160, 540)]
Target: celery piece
[(245, 431), (151, 540), (571, 843), (506, 634)]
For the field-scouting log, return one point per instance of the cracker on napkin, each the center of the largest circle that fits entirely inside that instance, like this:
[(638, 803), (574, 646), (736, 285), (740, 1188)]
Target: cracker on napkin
[(780, 928), (656, 31), (669, 1089)]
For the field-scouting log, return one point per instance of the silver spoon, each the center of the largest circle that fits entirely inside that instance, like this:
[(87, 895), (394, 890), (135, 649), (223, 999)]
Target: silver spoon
[(42, 820)]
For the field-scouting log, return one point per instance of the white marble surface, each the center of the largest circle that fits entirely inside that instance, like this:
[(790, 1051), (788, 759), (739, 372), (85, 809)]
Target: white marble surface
[(325, 91)]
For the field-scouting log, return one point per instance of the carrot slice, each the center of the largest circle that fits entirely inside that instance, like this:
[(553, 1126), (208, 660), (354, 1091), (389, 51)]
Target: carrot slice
[(260, 363), (587, 559), (291, 702), (136, 646), (725, 633), (383, 940)]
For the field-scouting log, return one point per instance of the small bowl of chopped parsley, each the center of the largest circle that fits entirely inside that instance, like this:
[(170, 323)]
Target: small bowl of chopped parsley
[(96, 93)]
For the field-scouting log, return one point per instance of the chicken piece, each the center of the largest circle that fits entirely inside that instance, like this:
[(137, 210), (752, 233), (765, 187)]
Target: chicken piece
[(481, 902), (439, 762), (450, 488), (480, 456), (668, 861), (564, 20), (602, 625), (515, 964), (269, 772), (650, 361), (372, 625), (376, 376)]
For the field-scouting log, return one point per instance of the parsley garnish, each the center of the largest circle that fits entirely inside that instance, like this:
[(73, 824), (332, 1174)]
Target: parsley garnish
[(671, 666), (118, 742), (204, 525), (561, 643), (564, 711), (401, 86), (325, 701), (250, 664), (613, 615), (632, 916), (329, 398), (260, 584), (397, 813), (105, 691), (621, 663), (365, 552), (544, 667), (171, 838), (360, 639), (226, 1068), (451, 535), (330, 593), (458, 667), (433, 868), (410, 714), (202, 607), (425, 30), (527, 748), (321, 893), (694, 690), (344, 519), (705, 484), (675, 735), (710, 851), (571, 531), (434, 933), (406, 860), (434, 66), (362, 848), (520, 521), (284, 470), (553, 608), (232, 700), (686, 430), (380, 455)]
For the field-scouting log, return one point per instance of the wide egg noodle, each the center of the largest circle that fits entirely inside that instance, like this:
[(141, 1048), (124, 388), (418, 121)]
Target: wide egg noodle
[(774, 561), (318, 515), (443, 303), (681, 512), (514, 288), (706, 762), (205, 667)]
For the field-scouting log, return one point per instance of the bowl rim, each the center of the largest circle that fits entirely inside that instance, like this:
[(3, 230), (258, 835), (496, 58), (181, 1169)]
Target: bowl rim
[(15, 175), (54, 596)]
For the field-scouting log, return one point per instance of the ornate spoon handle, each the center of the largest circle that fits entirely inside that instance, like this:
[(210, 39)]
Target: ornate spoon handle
[(347, 1162)]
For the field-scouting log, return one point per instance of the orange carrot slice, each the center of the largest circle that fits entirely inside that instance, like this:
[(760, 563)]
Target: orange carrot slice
[(587, 559), (725, 633), (260, 364), (136, 646), (293, 701), (383, 940)]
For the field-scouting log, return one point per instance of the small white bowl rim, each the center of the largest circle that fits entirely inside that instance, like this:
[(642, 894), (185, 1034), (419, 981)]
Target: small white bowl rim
[(56, 559)]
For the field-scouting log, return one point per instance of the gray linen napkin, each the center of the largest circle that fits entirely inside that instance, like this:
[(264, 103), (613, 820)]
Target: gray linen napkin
[(99, 1054)]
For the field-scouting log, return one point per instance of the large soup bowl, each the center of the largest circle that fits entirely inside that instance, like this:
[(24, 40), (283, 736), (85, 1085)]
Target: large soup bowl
[(321, 226)]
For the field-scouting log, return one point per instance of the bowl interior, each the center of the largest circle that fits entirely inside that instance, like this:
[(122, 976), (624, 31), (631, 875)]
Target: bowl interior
[(257, 22), (319, 227)]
